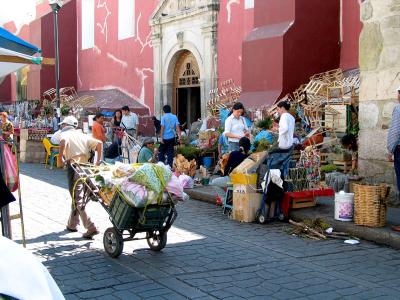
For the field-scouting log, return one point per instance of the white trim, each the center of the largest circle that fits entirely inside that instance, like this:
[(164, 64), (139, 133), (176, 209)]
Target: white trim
[(126, 19), (87, 24)]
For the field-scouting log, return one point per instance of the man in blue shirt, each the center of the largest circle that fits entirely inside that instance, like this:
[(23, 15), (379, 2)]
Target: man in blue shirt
[(169, 129)]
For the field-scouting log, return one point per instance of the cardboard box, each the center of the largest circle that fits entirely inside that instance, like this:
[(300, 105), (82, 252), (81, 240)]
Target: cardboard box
[(245, 206), (243, 178), (244, 188), (250, 164)]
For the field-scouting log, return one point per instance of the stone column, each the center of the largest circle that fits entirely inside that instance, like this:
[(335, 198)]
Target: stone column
[(157, 69), (380, 77), (209, 78)]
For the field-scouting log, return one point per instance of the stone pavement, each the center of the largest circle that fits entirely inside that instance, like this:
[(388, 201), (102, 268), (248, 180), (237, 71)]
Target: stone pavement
[(207, 256), (325, 209)]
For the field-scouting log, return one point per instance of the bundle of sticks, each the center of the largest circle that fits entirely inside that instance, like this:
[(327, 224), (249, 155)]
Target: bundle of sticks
[(315, 230)]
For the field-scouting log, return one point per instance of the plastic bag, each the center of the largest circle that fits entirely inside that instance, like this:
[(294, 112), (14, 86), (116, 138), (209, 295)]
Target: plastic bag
[(10, 168)]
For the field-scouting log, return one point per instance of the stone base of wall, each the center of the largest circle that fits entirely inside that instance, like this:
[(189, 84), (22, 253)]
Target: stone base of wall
[(379, 171)]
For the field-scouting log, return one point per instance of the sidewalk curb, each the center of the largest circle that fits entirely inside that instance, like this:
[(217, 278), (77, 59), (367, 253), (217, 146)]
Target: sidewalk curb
[(382, 236)]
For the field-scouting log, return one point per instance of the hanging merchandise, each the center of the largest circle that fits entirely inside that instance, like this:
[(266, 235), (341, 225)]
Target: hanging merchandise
[(311, 161), (297, 180), (10, 168)]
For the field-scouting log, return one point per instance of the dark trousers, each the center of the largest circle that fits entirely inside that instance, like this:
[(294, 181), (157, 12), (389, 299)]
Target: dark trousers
[(397, 166), (167, 149)]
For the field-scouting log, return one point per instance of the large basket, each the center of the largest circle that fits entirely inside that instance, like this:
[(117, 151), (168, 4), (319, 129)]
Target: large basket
[(370, 205)]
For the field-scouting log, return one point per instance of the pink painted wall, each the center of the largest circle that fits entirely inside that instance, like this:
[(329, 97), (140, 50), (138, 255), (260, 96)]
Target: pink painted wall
[(230, 36), (352, 27), (112, 63)]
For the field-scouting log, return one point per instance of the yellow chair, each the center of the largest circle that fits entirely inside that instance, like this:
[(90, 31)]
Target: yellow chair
[(51, 152)]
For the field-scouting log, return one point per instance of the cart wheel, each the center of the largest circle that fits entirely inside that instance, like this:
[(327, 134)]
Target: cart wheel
[(156, 240), (113, 242), (260, 217)]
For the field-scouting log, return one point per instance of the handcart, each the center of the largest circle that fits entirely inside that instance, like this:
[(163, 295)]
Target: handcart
[(274, 161), (155, 220)]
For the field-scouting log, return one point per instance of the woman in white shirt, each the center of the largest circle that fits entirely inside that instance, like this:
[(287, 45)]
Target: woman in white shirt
[(279, 157), (236, 127), (286, 126)]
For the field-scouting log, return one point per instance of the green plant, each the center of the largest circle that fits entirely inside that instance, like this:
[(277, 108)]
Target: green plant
[(189, 151), (328, 168), (354, 130), (265, 124), (261, 145), (65, 110)]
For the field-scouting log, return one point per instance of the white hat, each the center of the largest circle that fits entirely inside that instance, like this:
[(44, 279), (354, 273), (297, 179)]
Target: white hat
[(398, 89), (70, 120)]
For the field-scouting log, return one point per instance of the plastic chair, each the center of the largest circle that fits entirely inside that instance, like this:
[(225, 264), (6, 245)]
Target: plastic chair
[(228, 194), (51, 154)]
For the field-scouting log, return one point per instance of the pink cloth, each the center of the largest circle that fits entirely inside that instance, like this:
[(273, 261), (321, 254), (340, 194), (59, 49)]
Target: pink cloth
[(186, 181), (175, 187)]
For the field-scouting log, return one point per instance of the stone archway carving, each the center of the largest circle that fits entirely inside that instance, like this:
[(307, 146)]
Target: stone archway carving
[(173, 33)]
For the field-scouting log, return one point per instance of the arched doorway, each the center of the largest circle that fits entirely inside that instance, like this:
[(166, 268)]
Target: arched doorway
[(186, 89)]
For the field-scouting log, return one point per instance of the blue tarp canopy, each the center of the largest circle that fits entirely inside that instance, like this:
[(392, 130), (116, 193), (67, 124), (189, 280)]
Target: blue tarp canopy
[(14, 43), (15, 53)]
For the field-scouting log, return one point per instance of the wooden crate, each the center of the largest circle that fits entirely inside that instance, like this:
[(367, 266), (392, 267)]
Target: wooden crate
[(338, 122), (344, 166), (302, 202), (323, 157)]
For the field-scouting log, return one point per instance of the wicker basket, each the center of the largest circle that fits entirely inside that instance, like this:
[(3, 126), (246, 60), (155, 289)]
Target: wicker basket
[(370, 205)]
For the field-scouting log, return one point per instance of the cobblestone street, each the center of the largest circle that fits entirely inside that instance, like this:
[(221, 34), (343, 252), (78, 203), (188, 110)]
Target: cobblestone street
[(207, 256)]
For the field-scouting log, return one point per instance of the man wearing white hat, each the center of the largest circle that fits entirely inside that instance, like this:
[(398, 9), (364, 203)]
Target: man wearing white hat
[(393, 144), (75, 146), (67, 124)]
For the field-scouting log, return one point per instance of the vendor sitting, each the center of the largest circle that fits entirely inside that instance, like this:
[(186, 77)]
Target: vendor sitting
[(349, 142), (235, 159), (146, 153)]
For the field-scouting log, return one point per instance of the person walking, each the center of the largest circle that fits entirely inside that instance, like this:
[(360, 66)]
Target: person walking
[(75, 146), (236, 127), (393, 145), (129, 121), (169, 130)]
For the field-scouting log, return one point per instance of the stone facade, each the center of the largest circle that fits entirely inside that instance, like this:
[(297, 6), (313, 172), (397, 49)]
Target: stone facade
[(380, 78), (184, 25)]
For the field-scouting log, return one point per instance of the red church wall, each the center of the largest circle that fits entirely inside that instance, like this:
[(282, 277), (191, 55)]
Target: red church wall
[(312, 45), (292, 40), (234, 23), (124, 64), (351, 29), (5, 90)]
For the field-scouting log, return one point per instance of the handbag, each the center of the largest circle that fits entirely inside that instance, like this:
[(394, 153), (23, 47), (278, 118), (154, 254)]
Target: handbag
[(10, 169)]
